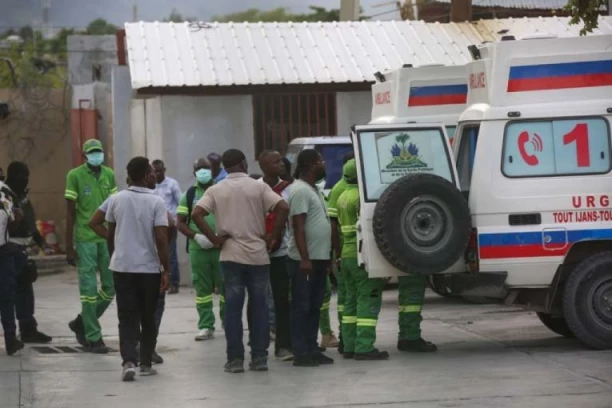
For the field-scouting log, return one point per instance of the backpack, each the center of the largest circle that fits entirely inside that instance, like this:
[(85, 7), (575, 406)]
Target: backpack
[(271, 216), (190, 195)]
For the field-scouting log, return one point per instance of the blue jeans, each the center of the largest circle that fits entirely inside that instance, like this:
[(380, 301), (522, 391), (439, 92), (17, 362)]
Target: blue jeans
[(255, 278), (7, 296), (24, 294), (175, 275), (306, 299)]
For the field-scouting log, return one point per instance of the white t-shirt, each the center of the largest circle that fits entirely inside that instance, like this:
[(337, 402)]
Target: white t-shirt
[(6, 214), (136, 211)]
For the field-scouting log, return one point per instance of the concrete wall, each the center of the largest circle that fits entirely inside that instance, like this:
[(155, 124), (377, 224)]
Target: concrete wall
[(121, 122), (86, 51), (353, 108)]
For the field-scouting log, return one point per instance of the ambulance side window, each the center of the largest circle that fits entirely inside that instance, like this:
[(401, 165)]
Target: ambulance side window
[(465, 159)]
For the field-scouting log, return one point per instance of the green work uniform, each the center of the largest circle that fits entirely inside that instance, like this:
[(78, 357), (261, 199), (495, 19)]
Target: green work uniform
[(363, 295), (89, 191), (411, 296), (324, 319), (332, 212), (205, 268)]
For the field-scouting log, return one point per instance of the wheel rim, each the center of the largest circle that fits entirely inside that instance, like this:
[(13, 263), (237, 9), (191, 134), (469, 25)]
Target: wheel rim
[(601, 302), (426, 223)]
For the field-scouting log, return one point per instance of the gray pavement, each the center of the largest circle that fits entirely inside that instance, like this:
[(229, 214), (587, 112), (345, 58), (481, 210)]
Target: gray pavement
[(489, 355)]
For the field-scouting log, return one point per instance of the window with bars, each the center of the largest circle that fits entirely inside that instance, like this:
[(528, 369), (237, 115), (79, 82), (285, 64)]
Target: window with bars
[(280, 118)]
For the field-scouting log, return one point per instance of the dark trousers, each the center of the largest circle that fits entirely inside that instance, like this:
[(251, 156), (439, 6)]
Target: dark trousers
[(7, 295), (255, 279), (307, 294), (175, 275), (279, 280), (137, 295), (24, 294)]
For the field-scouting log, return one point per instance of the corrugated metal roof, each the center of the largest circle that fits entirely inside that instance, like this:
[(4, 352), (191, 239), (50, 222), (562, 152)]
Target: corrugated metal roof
[(187, 54), (517, 4)]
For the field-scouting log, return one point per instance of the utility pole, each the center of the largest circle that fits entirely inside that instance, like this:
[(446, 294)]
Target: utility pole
[(461, 10), (134, 12), (349, 10)]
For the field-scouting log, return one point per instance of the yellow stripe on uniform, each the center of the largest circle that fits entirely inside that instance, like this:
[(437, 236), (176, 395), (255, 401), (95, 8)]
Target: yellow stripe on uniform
[(341, 308), (88, 299), (332, 212), (367, 322), (410, 309), (347, 229), (114, 191), (325, 306), (71, 195), (349, 319), (204, 299), (180, 210), (104, 295), (221, 298)]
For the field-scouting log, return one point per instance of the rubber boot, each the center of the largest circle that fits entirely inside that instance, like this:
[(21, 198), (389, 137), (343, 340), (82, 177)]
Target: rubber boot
[(372, 355), (416, 346)]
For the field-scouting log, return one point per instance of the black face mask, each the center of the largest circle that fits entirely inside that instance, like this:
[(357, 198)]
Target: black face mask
[(19, 185)]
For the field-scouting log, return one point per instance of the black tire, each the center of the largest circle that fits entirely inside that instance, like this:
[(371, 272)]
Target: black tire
[(437, 283), (439, 227), (556, 324), (587, 301)]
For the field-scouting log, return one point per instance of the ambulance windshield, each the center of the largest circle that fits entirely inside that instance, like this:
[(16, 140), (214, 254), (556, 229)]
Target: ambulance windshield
[(388, 154)]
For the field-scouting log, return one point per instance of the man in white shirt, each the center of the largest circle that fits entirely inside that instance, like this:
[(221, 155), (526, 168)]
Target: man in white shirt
[(138, 244)]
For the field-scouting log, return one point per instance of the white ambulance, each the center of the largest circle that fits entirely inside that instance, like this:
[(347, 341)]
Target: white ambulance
[(533, 159)]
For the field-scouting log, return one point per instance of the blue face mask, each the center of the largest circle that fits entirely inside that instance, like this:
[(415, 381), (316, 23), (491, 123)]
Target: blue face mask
[(95, 159), (204, 176)]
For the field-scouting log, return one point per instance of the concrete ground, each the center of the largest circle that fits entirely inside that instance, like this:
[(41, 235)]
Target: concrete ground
[(489, 356)]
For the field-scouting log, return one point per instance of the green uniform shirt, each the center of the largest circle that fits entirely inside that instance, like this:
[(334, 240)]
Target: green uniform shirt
[(182, 209), (332, 200), (88, 192), (348, 213)]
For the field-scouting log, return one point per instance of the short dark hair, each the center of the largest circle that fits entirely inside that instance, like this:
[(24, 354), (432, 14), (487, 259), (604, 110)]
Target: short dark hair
[(17, 168), (305, 160), (137, 168), (348, 156), (158, 162), (232, 157), (266, 153)]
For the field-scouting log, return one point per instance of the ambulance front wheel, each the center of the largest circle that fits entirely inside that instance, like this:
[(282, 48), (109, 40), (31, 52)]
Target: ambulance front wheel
[(587, 301), (422, 224), (556, 324)]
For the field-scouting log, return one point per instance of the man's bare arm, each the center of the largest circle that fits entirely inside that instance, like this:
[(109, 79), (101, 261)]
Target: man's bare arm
[(96, 223), (299, 227), (110, 238), (335, 234), (282, 214), (182, 226), (197, 216), (162, 244), (70, 215)]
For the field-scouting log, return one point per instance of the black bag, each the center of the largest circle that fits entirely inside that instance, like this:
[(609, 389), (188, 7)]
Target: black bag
[(31, 271)]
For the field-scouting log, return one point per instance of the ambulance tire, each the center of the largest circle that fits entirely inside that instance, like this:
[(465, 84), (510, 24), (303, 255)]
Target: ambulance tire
[(587, 301), (556, 324), (440, 226), (438, 285)]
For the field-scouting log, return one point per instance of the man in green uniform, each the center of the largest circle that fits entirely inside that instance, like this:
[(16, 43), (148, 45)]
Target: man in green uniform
[(204, 257), (87, 187), (411, 296), (332, 212), (363, 295)]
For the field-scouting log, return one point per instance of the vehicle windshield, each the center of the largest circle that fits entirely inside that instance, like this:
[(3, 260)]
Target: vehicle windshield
[(388, 154), (332, 154)]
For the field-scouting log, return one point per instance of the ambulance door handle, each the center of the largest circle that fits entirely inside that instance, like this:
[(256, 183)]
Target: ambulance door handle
[(525, 219)]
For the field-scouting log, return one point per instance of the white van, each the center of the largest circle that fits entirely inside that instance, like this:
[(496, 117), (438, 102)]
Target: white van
[(331, 148), (533, 159)]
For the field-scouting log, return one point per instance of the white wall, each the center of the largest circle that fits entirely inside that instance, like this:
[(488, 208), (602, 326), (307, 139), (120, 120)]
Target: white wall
[(354, 108), (122, 121)]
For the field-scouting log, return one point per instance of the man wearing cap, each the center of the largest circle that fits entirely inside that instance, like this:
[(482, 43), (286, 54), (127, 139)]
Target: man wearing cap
[(363, 295), (87, 187)]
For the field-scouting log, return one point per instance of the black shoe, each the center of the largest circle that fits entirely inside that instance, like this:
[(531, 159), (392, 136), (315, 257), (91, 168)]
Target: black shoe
[(34, 336), (372, 355), (416, 346), (173, 290), (98, 347), (305, 361), (340, 344), (156, 358), (76, 326), (13, 345), (348, 355), (259, 364), (322, 359)]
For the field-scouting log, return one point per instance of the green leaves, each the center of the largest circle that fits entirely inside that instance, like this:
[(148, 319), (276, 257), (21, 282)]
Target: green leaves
[(587, 12)]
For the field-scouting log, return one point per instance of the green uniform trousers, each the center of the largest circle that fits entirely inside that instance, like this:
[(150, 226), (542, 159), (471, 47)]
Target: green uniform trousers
[(91, 258), (361, 307), (324, 320), (411, 296), (206, 275), (341, 293)]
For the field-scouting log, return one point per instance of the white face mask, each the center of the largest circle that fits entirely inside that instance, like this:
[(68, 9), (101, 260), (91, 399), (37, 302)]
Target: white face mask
[(320, 184)]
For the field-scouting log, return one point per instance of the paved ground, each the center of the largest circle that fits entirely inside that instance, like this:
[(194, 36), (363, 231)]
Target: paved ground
[(489, 356)]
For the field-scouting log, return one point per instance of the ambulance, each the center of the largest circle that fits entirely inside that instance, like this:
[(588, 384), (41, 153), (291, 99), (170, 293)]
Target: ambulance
[(525, 195)]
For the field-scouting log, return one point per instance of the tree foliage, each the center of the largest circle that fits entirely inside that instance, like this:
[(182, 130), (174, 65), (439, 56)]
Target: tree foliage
[(587, 12), (280, 14), (101, 27), (176, 17)]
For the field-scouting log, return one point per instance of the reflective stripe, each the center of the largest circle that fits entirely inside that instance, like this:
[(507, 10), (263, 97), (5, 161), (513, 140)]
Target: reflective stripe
[(325, 306), (180, 210), (114, 191), (332, 212), (91, 300), (410, 308), (349, 319), (204, 299), (104, 295), (72, 195), (347, 229), (367, 322), (341, 308), (221, 298)]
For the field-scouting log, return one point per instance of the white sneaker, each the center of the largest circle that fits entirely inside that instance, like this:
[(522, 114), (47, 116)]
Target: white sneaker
[(205, 334), (129, 372)]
